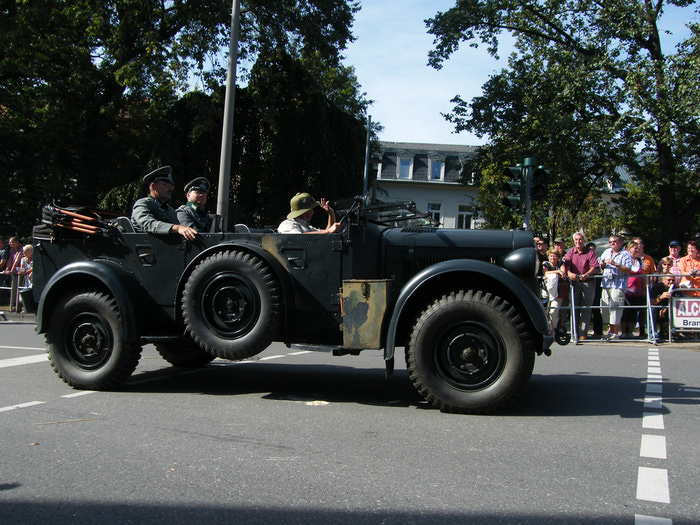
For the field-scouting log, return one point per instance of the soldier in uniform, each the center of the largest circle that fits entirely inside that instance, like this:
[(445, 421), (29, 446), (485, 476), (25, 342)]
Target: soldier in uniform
[(153, 214), (193, 212)]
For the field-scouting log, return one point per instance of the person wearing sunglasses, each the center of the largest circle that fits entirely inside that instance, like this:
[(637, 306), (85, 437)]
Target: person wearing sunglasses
[(616, 263)]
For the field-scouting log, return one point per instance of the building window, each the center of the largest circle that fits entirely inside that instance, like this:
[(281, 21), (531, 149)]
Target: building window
[(434, 211), (437, 169), (464, 217), (406, 168)]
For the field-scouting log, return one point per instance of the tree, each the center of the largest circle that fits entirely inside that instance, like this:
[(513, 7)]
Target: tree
[(588, 90), (95, 93), (298, 135)]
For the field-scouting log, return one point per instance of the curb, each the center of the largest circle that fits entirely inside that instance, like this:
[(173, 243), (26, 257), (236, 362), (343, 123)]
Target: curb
[(7, 316)]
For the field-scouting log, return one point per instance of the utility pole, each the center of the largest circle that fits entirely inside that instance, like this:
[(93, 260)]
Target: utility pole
[(222, 201), (369, 131)]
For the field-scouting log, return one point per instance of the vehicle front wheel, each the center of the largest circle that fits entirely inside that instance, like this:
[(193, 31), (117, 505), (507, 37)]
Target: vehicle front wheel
[(85, 344), (470, 352)]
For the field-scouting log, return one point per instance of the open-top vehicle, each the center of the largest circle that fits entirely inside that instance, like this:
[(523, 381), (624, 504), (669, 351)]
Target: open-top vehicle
[(463, 303)]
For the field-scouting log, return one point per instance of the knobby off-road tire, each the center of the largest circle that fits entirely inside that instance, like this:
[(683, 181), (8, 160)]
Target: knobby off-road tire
[(184, 352), (232, 305), (85, 343), (470, 353)]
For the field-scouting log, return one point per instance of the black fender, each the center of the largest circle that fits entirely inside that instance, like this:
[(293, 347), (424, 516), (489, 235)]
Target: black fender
[(520, 292), (105, 275), (277, 269)]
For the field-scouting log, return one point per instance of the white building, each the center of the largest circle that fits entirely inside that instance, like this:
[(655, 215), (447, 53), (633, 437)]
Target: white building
[(431, 175)]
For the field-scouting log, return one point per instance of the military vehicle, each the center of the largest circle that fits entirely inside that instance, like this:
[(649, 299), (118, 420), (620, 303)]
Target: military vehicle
[(463, 304)]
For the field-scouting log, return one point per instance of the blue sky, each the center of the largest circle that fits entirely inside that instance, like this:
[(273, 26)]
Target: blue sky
[(390, 57)]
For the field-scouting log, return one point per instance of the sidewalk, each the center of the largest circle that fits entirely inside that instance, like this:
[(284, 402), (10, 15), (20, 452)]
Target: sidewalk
[(14, 316)]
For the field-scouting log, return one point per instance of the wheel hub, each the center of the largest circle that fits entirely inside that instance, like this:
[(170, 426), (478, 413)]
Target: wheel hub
[(230, 305), (89, 343), (469, 355)]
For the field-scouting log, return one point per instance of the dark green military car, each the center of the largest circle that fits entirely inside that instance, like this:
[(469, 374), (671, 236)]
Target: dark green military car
[(463, 303)]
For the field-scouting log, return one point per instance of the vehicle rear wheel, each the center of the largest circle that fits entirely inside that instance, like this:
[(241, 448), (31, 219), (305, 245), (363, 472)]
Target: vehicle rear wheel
[(231, 305), (183, 352), (470, 352), (85, 343)]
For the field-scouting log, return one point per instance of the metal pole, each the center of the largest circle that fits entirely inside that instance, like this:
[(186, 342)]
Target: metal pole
[(227, 132), (529, 167), (369, 131)]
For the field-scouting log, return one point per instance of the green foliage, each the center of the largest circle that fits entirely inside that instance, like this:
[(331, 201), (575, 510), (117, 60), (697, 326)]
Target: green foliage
[(587, 91), (93, 94), (305, 141)]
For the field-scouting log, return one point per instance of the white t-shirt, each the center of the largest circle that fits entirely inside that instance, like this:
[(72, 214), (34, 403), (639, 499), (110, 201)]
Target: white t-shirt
[(295, 226)]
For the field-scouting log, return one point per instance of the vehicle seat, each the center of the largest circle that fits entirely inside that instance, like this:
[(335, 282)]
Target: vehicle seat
[(124, 224), (242, 228)]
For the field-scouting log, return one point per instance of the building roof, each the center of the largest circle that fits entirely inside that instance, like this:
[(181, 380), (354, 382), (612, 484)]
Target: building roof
[(445, 149)]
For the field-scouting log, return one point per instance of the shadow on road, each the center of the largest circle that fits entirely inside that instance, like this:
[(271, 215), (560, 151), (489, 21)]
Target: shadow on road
[(545, 395), (32, 512), (273, 381)]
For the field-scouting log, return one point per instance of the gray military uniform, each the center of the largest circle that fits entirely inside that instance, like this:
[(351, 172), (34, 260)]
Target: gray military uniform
[(190, 215), (150, 216)]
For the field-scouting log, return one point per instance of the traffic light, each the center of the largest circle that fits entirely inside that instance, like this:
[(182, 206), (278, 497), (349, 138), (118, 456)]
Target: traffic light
[(540, 184), (513, 188)]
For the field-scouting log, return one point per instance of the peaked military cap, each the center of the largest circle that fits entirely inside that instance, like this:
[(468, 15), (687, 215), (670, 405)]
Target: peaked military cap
[(162, 173), (200, 184)]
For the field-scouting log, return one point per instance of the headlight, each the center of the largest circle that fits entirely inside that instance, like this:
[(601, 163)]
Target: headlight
[(522, 262)]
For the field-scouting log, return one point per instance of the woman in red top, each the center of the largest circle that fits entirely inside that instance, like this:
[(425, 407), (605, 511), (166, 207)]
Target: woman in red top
[(690, 267), (635, 293)]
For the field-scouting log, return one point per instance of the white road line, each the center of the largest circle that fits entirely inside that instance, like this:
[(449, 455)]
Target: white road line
[(655, 388), (270, 357), (16, 361), (652, 485), (653, 420), (653, 446), (696, 390), (301, 353), (22, 348), (652, 402), (641, 519), (21, 405), (653, 370), (654, 378), (81, 393)]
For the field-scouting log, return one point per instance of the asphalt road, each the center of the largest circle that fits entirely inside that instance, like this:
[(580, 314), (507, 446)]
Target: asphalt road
[(602, 434)]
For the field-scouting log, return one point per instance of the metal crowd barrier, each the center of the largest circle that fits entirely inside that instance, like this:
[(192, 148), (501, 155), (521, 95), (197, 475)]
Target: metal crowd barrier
[(15, 289), (683, 311)]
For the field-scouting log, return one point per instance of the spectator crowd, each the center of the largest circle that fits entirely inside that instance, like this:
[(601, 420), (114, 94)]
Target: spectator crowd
[(611, 293), (16, 263)]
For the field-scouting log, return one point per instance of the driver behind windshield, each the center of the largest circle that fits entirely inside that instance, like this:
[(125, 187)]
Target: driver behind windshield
[(302, 209)]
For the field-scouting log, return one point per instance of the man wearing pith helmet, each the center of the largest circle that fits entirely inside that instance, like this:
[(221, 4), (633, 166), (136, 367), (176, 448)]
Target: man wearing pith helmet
[(153, 214), (193, 213), (302, 209)]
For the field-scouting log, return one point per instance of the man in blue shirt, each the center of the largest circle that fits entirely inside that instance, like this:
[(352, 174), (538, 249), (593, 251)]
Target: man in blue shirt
[(616, 263)]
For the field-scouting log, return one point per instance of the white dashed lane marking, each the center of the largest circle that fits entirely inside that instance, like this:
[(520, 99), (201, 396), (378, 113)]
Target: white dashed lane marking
[(653, 446), (655, 421), (652, 482), (27, 360), (21, 405), (641, 519), (652, 485)]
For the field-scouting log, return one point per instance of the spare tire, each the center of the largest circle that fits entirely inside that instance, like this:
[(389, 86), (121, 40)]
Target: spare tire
[(232, 305)]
